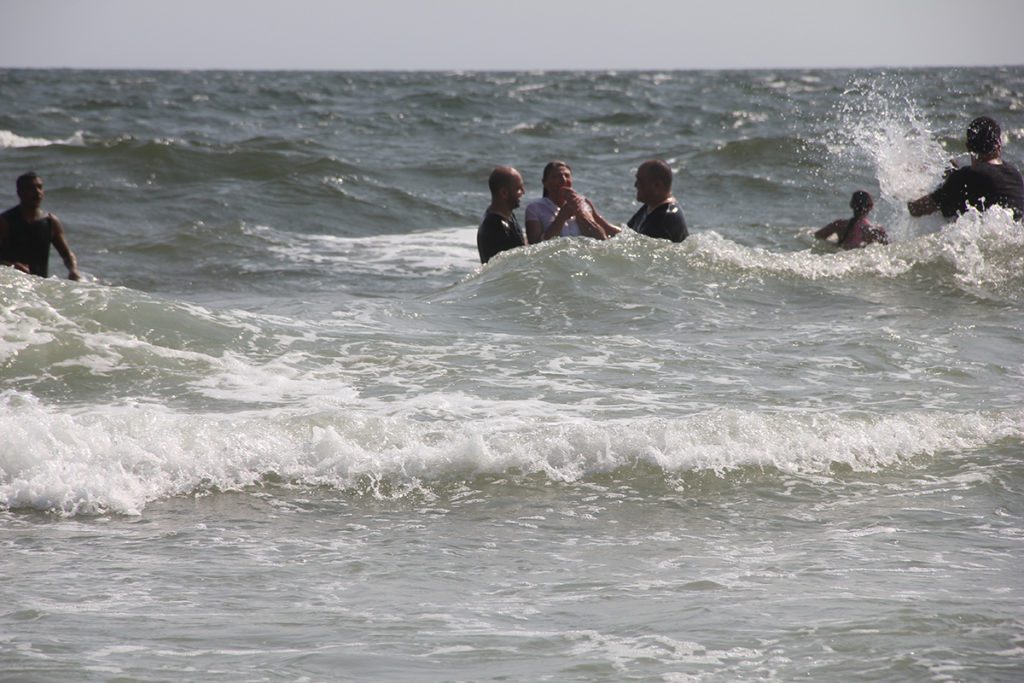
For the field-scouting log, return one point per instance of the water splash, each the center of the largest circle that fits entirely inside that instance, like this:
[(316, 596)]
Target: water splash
[(880, 125), (986, 251)]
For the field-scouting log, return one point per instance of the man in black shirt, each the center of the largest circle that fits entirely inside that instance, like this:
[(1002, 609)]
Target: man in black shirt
[(26, 233), (500, 230), (987, 182), (660, 216)]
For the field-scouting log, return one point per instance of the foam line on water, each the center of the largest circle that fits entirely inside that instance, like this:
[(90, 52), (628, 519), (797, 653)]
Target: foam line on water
[(10, 139), (120, 458)]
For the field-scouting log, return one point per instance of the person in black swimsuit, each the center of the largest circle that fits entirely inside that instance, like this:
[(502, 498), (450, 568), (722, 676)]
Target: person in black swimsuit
[(499, 231), (26, 233), (858, 231), (660, 216), (987, 182)]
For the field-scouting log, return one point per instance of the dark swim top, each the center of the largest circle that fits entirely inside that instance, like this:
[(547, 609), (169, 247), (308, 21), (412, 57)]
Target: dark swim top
[(665, 222), (981, 186), (497, 234), (27, 243)]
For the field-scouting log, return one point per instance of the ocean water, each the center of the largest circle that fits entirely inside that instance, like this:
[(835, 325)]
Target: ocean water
[(289, 429)]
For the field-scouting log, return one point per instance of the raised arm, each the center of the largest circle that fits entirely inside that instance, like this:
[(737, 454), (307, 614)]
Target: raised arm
[(923, 206), (609, 229)]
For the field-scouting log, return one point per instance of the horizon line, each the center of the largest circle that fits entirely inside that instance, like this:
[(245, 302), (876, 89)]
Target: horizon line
[(513, 69)]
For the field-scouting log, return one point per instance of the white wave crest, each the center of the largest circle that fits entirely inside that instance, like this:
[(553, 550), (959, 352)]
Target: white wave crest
[(986, 252), (9, 139), (981, 252), (119, 459)]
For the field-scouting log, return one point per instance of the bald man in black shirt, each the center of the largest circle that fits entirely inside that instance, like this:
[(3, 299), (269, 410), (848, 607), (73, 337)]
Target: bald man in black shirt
[(500, 230)]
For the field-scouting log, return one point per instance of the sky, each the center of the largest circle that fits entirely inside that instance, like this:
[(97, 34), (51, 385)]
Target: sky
[(509, 34)]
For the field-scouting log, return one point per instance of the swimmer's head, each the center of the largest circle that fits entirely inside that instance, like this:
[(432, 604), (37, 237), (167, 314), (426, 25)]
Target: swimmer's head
[(552, 170), (30, 189), (26, 179), (653, 182), (983, 136), (506, 186), (861, 203), (658, 171)]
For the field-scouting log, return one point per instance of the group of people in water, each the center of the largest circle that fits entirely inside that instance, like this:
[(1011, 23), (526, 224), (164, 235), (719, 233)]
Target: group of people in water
[(985, 182), (562, 212), (27, 232)]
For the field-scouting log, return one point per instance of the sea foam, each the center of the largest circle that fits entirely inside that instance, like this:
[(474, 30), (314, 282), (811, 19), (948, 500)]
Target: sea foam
[(118, 459), (9, 139)]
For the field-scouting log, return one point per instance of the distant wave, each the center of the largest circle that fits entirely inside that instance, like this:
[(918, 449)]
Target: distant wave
[(9, 139)]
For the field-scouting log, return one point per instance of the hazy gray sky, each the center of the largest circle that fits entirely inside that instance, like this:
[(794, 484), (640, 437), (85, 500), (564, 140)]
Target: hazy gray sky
[(503, 34)]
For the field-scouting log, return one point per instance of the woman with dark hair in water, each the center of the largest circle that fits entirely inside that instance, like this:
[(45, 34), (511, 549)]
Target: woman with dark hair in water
[(852, 233), (561, 211)]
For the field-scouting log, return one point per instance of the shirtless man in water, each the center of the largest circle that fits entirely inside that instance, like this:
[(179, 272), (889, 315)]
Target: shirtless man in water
[(26, 233)]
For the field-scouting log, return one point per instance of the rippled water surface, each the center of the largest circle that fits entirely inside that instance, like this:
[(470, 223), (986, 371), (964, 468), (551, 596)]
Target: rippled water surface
[(288, 428)]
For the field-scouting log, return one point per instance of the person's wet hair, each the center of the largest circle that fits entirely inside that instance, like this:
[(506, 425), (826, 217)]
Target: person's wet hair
[(26, 178), (549, 168), (861, 202), (983, 136)]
